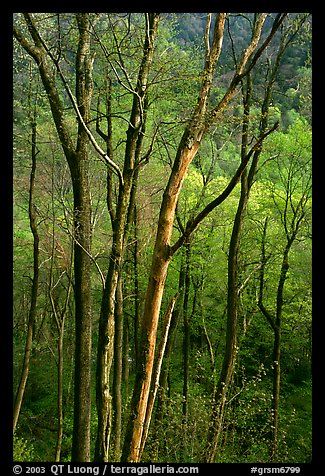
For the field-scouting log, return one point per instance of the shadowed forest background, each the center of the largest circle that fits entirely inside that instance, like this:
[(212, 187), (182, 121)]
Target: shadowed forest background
[(162, 237)]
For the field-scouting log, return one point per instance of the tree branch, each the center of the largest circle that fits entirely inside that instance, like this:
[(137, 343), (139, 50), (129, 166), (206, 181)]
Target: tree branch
[(193, 224), (260, 304), (244, 62), (39, 53), (157, 370)]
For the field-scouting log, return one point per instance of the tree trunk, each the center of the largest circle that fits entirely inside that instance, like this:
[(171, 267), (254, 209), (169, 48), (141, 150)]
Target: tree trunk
[(186, 337), (82, 263), (277, 347), (60, 396), (247, 179), (34, 291), (275, 323), (117, 376), (125, 357), (77, 158), (161, 256), (157, 370), (158, 273), (59, 317), (134, 139), (163, 378), (276, 391), (135, 256), (229, 360), (60, 321), (107, 327), (82, 267)]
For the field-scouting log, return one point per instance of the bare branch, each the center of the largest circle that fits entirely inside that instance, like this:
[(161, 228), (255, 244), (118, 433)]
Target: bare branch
[(246, 62), (193, 224), (207, 34), (39, 52)]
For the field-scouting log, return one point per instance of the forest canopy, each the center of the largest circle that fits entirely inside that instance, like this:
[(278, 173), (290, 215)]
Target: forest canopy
[(162, 237)]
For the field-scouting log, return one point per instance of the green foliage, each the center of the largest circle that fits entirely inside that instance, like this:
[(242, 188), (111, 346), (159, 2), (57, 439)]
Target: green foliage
[(180, 440), (296, 424), (22, 450)]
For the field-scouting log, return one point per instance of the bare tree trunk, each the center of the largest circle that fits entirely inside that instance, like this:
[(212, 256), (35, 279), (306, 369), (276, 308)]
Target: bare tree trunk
[(277, 348), (60, 395), (161, 256), (60, 322), (275, 323), (59, 317), (107, 329), (275, 319), (159, 267), (125, 357)]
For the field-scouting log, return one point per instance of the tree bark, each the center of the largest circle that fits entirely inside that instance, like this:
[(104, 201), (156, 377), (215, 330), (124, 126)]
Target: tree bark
[(275, 320), (229, 360), (291, 228), (82, 263), (275, 323), (276, 391), (59, 318), (135, 259), (158, 273)]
